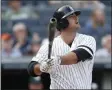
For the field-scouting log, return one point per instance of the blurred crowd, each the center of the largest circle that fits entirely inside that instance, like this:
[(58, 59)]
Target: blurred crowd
[(19, 43)]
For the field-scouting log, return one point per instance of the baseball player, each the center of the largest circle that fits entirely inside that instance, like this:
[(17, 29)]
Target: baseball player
[(72, 57)]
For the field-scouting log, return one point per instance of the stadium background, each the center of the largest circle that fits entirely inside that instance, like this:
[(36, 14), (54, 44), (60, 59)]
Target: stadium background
[(29, 19)]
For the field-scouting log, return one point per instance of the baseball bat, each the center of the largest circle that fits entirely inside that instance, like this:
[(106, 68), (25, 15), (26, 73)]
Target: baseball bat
[(51, 34)]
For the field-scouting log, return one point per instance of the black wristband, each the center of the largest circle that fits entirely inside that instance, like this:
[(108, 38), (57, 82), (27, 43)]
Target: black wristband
[(30, 68)]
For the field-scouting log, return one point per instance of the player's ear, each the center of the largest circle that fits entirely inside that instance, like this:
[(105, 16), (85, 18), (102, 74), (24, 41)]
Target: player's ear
[(63, 23)]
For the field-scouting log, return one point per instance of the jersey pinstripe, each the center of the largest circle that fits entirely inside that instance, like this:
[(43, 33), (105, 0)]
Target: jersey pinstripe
[(75, 76)]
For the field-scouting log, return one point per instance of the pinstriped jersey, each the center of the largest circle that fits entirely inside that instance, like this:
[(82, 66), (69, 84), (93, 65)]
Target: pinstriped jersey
[(74, 76)]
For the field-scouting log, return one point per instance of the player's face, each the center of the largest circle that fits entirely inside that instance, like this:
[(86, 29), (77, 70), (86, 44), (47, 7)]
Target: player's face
[(73, 22)]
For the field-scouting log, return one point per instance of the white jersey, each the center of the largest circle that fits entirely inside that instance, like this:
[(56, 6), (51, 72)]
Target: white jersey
[(74, 76)]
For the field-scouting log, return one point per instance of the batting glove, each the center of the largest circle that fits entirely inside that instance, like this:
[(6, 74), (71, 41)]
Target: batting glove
[(55, 61), (47, 65)]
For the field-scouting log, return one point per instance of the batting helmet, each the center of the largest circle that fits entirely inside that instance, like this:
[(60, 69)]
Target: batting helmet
[(62, 13)]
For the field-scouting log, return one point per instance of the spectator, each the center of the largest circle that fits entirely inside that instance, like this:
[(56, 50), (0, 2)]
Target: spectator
[(21, 38), (36, 37), (96, 26), (106, 49), (16, 11), (35, 44), (35, 83), (7, 50)]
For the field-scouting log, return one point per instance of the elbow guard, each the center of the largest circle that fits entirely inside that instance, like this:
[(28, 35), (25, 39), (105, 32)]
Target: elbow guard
[(30, 68)]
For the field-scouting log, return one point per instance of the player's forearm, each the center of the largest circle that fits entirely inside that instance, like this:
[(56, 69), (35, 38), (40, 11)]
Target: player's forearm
[(34, 69), (37, 69), (69, 58), (75, 56)]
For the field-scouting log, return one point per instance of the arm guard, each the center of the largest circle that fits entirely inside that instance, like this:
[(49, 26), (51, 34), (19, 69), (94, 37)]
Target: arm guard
[(30, 68)]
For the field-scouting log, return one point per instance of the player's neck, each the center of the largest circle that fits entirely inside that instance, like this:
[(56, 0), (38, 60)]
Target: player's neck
[(68, 36)]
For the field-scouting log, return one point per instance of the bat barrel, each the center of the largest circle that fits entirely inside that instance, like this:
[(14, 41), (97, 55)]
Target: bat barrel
[(52, 27)]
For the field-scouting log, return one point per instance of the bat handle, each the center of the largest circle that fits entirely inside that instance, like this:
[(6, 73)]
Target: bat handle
[(49, 52)]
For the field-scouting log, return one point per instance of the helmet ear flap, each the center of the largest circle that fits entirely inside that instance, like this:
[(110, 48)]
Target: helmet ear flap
[(63, 24)]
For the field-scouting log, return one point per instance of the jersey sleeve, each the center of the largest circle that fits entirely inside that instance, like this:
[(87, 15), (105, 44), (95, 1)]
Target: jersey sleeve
[(42, 54), (88, 44)]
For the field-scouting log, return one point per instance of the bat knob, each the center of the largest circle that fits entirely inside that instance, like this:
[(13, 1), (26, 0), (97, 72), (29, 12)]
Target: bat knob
[(53, 20)]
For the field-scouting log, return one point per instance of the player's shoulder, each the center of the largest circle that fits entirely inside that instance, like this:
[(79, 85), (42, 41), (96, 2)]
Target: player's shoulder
[(85, 37)]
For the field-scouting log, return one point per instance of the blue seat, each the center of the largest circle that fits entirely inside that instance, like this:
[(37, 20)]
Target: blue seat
[(42, 30)]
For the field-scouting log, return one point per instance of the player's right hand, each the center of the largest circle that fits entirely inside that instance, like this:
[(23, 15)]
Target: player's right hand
[(46, 66)]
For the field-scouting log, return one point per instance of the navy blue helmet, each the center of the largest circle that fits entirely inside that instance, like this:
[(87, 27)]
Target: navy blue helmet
[(62, 13)]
